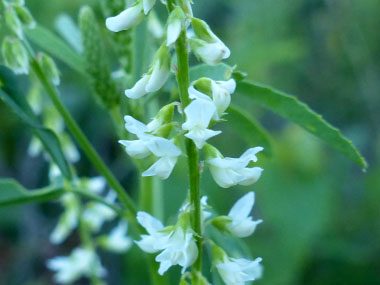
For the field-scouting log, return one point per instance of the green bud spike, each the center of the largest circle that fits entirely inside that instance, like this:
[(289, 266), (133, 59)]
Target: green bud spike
[(13, 22), (25, 17), (96, 60), (51, 70), (15, 55)]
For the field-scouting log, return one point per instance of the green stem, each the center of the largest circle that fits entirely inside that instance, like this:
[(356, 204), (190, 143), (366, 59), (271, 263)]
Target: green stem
[(192, 152), (83, 142)]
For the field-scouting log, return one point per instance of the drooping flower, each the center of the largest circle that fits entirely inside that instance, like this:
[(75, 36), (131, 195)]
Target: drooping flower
[(126, 19), (156, 76), (218, 92), (206, 45), (175, 25), (130, 17), (229, 171), (117, 241), (198, 116), (81, 262), (176, 242), (235, 271)]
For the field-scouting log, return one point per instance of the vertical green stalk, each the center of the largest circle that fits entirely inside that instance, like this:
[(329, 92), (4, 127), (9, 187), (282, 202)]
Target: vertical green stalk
[(192, 152)]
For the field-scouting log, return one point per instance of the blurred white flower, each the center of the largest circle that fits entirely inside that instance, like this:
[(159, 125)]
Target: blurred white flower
[(80, 262), (228, 171), (176, 243), (96, 214), (68, 221), (198, 116), (241, 224), (117, 241)]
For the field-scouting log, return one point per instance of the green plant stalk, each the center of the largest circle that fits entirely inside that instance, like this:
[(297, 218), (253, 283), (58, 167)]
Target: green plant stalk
[(83, 141), (192, 152)]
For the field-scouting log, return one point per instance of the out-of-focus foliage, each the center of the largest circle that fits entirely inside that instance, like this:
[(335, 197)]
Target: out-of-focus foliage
[(321, 218)]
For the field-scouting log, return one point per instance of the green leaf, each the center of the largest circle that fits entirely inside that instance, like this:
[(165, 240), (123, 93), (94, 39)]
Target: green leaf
[(15, 101), (12, 193), (292, 109), (220, 71), (248, 128), (54, 45)]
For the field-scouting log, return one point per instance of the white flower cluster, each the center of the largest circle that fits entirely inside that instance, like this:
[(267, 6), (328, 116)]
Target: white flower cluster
[(209, 100), (83, 261)]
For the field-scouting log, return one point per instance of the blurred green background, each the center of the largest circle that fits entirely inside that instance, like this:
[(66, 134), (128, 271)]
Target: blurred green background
[(321, 212)]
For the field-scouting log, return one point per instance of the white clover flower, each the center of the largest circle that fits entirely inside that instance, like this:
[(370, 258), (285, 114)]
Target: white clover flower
[(117, 241), (80, 262), (175, 25), (176, 243), (238, 271), (206, 45), (68, 221), (198, 116), (241, 224), (148, 144), (156, 76), (126, 19), (220, 92), (96, 214), (229, 171)]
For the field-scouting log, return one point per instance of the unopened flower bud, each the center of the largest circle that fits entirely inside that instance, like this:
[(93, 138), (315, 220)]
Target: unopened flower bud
[(51, 70), (15, 55), (25, 17), (12, 21), (175, 25)]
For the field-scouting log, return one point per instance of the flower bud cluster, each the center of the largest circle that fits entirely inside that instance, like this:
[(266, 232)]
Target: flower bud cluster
[(15, 17)]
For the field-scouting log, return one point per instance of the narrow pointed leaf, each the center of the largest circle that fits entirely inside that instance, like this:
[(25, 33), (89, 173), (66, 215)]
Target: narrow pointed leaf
[(18, 104), (220, 71), (55, 46), (12, 193), (292, 109), (248, 128)]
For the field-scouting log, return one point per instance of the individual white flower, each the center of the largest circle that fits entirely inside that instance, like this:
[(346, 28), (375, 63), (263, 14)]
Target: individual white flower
[(68, 221), (220, 92), (198, 116), (117, 241), (175, 25), (229, 171), (148, 144), (126, 19), (80, 262), (177, 243), (206, 45), (156, 76), (241, 224), (237, 271), (96, 214)]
